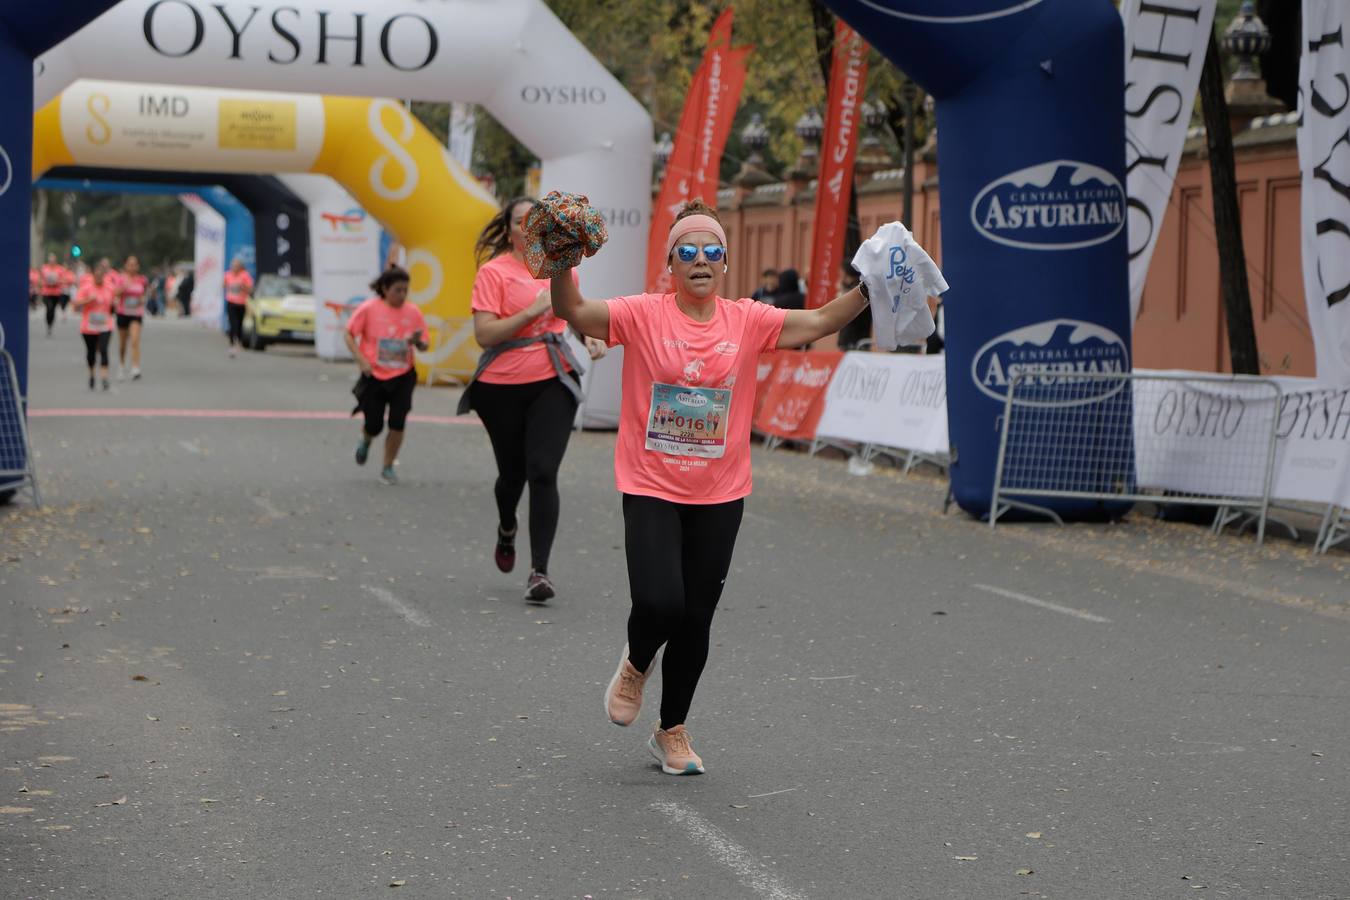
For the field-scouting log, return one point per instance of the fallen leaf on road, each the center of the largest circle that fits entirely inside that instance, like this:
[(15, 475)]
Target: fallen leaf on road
[(104, 775), (208, 800), (1025, 872), (1033, 834), (966, 858), (398, 883), (118, 802), (152, 718), (139, 678), (740, 806)]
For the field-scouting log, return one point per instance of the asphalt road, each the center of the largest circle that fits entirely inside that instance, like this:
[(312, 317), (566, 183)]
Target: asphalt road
[(235, 665)]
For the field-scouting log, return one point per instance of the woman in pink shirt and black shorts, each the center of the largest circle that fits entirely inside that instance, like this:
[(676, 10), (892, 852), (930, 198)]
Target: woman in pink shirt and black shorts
[(94, 301), (525, 391), (382, 334), (131, 296), (684, 475)]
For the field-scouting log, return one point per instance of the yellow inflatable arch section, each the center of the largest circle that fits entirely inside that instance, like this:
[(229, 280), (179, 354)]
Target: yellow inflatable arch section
[(374, 148)]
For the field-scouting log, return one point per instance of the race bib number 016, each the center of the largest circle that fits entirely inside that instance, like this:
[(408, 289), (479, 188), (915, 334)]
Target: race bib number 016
[(686, 421)]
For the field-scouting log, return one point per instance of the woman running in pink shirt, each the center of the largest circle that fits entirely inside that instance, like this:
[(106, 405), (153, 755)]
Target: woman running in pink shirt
[(382, 335), (131, 296), (94, 301), (684, 477), (525, 391)]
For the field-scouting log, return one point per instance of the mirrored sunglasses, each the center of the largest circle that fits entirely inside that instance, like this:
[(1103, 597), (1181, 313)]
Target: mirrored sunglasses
[(713, 253)]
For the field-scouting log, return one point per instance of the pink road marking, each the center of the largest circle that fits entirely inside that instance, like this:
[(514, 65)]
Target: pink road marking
[(147, 413)]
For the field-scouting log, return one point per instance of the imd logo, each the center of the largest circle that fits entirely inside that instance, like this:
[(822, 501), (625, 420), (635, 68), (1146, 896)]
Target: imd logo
[(1058, 205), (1056, 351)]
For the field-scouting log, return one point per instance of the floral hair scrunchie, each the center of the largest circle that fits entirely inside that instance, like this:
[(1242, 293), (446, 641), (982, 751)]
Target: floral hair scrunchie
[(559, 231)]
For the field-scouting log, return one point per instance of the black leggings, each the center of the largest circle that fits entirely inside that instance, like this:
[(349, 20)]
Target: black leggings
[(529, 425), (678, 558), (51, 301), (394, 393), (236, 314), (96, 345)]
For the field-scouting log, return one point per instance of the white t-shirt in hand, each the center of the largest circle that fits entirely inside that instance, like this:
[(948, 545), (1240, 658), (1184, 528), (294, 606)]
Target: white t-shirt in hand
[(900, 277)]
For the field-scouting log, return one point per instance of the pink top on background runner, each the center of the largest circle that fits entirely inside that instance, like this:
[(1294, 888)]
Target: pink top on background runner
[(504, 287), (384, 335), (132, 301), (96, 305), (237, 286), (687, 364)]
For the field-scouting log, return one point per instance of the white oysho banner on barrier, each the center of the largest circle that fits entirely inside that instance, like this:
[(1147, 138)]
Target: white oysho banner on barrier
[(1205, 437), (1324, 159), (344, 257), (1165, 48), (208, 261), (889, 400)]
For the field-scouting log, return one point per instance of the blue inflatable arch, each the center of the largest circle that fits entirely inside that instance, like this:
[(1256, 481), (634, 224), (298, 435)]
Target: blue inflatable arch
[(1031, 112)]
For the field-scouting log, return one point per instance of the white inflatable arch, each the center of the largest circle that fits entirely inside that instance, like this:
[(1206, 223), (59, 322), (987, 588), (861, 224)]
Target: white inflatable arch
[(513, 57)]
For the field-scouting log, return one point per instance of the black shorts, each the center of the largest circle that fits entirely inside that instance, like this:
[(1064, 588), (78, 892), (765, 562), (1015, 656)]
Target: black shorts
[(124, 322), (395, 394)]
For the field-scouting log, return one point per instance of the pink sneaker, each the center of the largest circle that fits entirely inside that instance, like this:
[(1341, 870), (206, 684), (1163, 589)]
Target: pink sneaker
[(623, 697), (674, 752)]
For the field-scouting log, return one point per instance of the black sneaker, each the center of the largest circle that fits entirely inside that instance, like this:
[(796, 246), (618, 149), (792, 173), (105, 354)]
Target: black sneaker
[(91, 382), (539, 589), (362, 452), (504, 554)]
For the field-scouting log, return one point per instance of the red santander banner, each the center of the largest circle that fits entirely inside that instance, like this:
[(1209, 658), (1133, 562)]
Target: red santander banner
[(848, 74), (705, 125), (794, 398)]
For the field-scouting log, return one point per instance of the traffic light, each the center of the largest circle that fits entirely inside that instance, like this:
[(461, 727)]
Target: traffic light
[(75, 251)]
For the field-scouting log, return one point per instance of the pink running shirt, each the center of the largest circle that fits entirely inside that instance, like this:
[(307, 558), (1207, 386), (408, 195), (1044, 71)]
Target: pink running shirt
[(132, 301), (96, 305), (504, 287), (237, 286), (384, 335), (688, 396)]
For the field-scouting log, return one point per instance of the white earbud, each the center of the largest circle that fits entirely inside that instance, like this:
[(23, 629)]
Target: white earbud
[(726, 268), (670, 269)]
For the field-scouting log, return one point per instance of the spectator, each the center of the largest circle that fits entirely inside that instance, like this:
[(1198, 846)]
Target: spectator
[(186, 284), (788, 294), (768, 283)]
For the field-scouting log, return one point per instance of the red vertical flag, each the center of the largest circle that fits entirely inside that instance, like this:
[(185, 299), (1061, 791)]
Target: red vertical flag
[(705, 125), (848, 73)]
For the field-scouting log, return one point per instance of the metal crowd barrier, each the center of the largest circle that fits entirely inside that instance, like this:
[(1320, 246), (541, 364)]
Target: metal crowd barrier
[(1335, 528), (1138, 437), (16, 453)]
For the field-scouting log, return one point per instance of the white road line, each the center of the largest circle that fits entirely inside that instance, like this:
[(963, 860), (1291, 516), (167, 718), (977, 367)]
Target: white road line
[(267, 507), (1043, 604), (751, 873), (411, 614)]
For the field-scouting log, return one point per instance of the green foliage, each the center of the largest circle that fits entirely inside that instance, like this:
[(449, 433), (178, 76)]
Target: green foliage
[(158, 229)]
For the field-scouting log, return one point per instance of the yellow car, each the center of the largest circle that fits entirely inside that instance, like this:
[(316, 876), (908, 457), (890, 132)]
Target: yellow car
[(281, 309)]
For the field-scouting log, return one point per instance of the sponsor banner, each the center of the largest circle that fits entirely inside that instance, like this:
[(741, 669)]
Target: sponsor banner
[(1201, 436), (1324, 158), (1313, 442), (848, 74), (1063, 204), (345, 248), (1165, 47), (1205, 437), (705, 125), (146, 126), (795, 398), (1057, 349), (889, 400), (768, 362), (208, 261)]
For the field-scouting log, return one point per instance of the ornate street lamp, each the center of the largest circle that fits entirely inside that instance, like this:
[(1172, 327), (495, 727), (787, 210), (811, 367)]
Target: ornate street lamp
[(755, 138), (1246, 38), (809, 128)]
